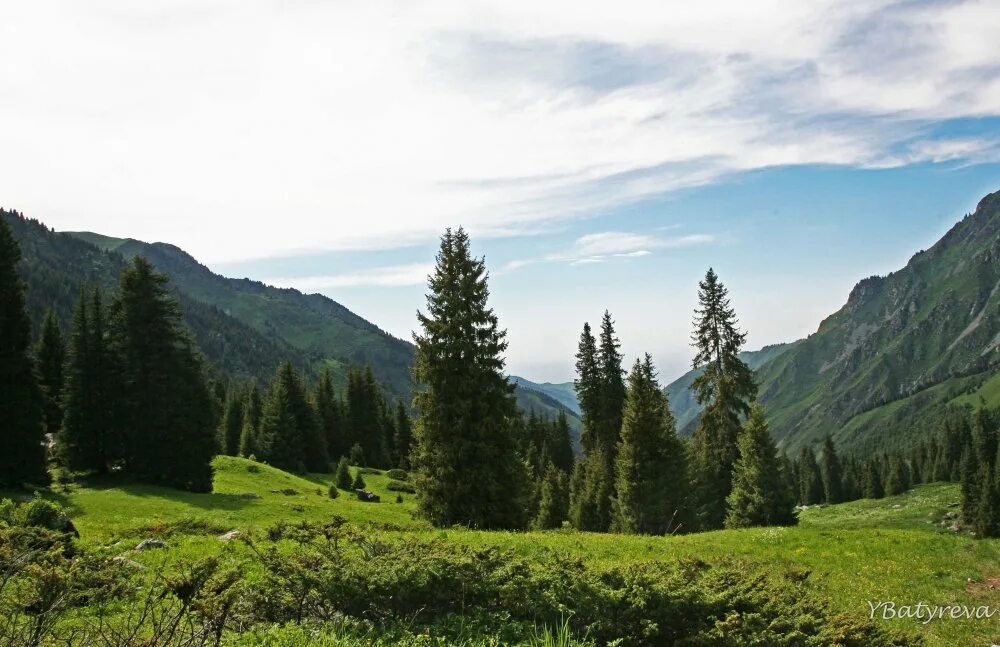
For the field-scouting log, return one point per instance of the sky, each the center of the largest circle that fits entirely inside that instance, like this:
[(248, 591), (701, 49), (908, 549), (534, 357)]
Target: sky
[(601, 155)]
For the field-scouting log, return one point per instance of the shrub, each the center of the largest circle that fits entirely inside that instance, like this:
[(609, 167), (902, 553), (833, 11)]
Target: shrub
[(398, 474), (399, 498), (400, 486), (359, 482), (334, 492), (343, 477)]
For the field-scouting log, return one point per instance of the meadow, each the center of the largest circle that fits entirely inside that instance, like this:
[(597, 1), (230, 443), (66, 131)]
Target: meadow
[(893, 549)]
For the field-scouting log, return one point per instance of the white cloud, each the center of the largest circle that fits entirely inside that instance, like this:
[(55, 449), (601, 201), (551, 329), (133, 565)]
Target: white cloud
[(386, 276), (601, 246), (240, 129)]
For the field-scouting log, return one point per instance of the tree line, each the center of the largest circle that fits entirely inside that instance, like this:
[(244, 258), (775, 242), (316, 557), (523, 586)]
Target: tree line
[(126, 391)]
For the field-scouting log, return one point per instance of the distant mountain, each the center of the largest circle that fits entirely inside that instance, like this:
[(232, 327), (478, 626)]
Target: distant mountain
[(243, 327), (904, 347), (682, 399), (564, 393), (529, 397)]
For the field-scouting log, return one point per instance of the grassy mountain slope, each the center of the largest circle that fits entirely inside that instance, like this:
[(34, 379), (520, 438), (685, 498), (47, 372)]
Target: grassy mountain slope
[(891, 549), (564, 393), (917, 338), (56, 267), (682, 399), (313, 324)]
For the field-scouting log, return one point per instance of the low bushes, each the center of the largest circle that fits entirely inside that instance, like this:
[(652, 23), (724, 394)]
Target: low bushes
[(400, 486), (397, 474)]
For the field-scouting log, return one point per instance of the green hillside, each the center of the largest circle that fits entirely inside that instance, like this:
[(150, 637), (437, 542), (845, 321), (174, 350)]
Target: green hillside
[(682, 399), (313, 324), (891, 549), (547, 406), (564, 393), (917, 338)]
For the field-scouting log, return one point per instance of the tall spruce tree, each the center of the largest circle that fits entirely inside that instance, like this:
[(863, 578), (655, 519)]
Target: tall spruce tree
[(833, 473), (810, 480), (725, 388), (231, 427), (560, 443), (249, 435), (403, 442), (22, 404), (760, 494), (164, 411), (330, 416), (872, 486), (465, 455), (87, 440), (288, 425), (612, 387), (588, 389), (50, 356), (553, 499), (591, 488), (650, 470)]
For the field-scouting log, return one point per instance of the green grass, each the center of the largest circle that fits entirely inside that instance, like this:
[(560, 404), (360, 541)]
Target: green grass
[(887, 550)]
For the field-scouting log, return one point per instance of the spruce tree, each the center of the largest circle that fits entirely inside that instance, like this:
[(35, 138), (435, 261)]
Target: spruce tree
[(231, 427), (988, 516), (289, 427), (810, 481), (50, 356), (588, 389), (468, 470), (560, 443), (896, 481), (359, 480), (971, 486), (329, 416), (591, 489), (342, 479), (650, 470), (164, 413), (553, 499), (87, 441), (872, 486), (832, 472), (249, 436), (725, 388), (403, 442), (612, 387), (22, 405), (760, 495)]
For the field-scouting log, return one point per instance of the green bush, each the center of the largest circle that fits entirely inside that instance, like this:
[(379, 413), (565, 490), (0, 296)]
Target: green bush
[(334, 492), (400, 486), (398, 474)]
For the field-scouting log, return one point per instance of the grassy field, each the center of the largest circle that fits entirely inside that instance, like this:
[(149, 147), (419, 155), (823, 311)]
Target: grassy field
[(892, 549)]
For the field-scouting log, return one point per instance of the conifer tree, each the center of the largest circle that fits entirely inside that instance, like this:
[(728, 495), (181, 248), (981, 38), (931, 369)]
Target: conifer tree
[(896, 481), (971, 486), (357, 455), (760, 495), (231, 427), (22, 412), (588, 389), (359, 480), (343, 479), (810, 481), (560, 443), (404, 437), (591, 489), (612, 387), (553, 499), (725, 388), (50, 355), (249, 435), (164, 412), (833, 473), (289, 427), (329, 416), (468, 470), (650, 470), (87, 441), (988, 516), (873, 488)]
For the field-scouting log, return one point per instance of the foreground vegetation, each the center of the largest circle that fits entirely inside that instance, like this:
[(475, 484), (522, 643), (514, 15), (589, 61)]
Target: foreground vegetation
[(478, 587)]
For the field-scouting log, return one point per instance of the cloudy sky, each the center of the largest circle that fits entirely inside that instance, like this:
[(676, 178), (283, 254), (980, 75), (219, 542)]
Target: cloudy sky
[(602, 155)]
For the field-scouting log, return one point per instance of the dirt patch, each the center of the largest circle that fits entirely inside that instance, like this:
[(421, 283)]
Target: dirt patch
[(988, 586)]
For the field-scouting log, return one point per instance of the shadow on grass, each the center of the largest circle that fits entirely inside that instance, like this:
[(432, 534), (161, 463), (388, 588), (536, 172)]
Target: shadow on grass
[(128, 485)]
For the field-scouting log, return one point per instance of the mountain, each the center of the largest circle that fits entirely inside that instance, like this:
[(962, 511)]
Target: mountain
[(563, 393), (904, 347), (243, 327), (682, 399)]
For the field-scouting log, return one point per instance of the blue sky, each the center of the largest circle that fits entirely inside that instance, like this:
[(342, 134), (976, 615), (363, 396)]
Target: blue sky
[(602, 155)]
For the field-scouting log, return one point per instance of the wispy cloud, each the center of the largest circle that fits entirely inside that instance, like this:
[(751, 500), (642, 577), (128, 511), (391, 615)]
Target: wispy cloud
[(386, 276), (606, 245), (258, 138)]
